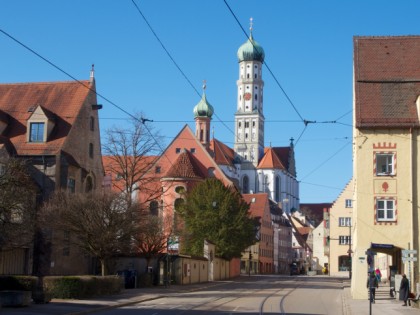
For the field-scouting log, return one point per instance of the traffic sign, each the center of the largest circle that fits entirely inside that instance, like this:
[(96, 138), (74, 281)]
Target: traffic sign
[(405, 259), (406, 252)]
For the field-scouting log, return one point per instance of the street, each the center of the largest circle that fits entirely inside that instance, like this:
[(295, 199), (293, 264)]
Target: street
[(255, 295)]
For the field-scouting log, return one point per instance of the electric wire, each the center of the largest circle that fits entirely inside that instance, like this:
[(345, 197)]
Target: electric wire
[(175, 63), (319, 166)]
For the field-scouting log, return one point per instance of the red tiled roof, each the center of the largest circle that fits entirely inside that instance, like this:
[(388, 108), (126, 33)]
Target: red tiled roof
[(271, 160), (387, 81), (222, 154), (63, 100), (185, 166), (257, 203), (315, 211)]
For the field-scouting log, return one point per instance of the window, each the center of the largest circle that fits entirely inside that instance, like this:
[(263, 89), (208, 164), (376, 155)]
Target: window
[(344, 240), (385, 209), (349, 203), (178, 150), (192, 150), (179, 189), (277, 189), (157, 169), (36, 132), (71, 185), (384, 164), (344, 221), (245, 184), (154, 208), (91, 150), (92, 123), (247, 124)]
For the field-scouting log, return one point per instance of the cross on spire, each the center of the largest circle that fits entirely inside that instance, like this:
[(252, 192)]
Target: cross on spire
[(204, 85), (251, 24)]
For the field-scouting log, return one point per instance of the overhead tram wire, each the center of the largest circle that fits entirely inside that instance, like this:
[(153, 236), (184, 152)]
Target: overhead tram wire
[(66, 73), (142, 120), (175, 63), (319, 166)]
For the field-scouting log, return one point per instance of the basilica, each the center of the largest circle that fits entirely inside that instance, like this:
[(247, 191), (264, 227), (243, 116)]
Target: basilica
[(254, 167)]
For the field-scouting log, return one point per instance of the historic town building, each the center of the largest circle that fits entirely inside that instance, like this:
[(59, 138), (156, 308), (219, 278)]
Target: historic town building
[(386, 134), (54, 127)]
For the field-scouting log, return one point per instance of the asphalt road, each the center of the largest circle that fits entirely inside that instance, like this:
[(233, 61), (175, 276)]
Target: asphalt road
[(258, 295)]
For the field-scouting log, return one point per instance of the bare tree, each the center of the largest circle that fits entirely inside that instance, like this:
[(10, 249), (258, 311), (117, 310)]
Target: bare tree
[(17, 204), (150, 240), (100, 224), (132, 151)]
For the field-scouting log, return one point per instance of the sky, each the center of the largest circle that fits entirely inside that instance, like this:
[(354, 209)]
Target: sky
[(157, 67)]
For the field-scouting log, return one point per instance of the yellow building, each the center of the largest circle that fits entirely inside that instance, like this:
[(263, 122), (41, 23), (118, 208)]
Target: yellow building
[(340, 225), (386, 155)]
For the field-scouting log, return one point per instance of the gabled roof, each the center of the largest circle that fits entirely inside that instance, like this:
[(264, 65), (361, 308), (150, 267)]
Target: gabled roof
[(186, 139), (186, 166), (222, 154), (387, 81), (271, 160), (64, 99)]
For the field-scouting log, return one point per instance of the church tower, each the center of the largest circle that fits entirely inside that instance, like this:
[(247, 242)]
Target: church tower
[(249, 117), (203, 112)]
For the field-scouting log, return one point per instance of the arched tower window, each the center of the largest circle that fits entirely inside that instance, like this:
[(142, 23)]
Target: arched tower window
[(245, 184), (277, 189)]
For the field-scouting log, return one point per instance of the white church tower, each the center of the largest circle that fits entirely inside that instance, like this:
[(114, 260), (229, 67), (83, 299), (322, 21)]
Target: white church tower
[(249, 117)]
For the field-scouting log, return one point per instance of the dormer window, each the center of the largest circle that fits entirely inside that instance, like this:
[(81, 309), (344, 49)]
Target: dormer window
[(36, 132), (40, 124)]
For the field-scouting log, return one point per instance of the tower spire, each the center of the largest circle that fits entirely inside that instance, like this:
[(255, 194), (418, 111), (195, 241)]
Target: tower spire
[(251, 24), (92, 73)]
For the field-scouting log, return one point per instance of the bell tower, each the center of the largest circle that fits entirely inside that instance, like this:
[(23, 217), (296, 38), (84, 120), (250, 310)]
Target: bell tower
[(249, 117)]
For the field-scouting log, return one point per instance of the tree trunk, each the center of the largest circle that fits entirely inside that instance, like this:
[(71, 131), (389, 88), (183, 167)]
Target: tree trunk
[(102, 267)]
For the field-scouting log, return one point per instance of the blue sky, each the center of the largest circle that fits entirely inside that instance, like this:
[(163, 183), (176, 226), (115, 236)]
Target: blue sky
[(308, 47)]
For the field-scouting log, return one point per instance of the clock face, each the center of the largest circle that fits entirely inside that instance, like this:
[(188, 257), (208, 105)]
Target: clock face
[(247, 96)]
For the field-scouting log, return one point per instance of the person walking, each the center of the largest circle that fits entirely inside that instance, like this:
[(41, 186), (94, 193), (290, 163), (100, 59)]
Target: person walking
[(372, 285), (404, 290), (378, 274)]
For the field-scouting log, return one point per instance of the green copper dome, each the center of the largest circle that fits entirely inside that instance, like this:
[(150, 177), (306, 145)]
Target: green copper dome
[(203, 108), (250, 51)]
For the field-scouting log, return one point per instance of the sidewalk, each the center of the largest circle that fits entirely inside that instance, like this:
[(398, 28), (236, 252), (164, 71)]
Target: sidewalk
[(383, 305), (80, 307)]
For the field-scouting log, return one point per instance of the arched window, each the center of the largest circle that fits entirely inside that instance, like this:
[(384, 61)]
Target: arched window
[(177, 222), (88, 184), (154, 207), (277, 189), (245, 185)]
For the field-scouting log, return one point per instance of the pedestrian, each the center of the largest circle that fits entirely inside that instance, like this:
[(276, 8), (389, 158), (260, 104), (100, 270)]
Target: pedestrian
[(378, 274), (404, 290), (372, 285)]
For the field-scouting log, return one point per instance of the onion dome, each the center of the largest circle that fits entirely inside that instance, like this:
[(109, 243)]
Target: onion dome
[(203, 108), (251, 51)]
